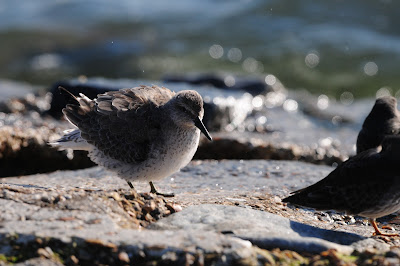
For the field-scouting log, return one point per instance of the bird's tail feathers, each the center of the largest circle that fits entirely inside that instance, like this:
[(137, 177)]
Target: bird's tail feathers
[(71, 140), (75, 112)]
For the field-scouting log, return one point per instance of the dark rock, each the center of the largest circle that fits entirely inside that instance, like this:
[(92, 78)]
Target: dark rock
[(252, 146), (253, 86), (24, 152)]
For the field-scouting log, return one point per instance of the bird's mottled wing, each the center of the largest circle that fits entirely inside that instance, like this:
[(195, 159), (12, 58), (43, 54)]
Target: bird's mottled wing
[(122, 124), (353, 186)]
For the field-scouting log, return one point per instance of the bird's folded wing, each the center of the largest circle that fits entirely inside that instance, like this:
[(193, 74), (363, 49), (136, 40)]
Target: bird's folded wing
[(352, 186), (122, 124)]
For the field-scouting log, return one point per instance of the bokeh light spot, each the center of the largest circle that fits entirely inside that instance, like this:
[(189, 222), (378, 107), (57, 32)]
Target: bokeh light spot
[(312, 60), (270, 79), (262, 120), (290, 105), (235, 55), (46, 61), (257, 102), (251, 65), (216, 51), (384, 91), (230, 81), (346, 98), (323, 102), (371, 69)]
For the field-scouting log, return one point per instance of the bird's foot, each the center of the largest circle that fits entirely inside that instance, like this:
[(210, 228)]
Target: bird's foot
[(387, 227), (154, 191), (378, 232)]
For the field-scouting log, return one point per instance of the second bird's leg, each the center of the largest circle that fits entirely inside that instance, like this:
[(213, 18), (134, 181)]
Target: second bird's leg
[(377, 231), (154, 191)]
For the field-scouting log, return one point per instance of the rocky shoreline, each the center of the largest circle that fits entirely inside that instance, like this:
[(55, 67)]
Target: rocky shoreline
[(227, 208), (224, 212)]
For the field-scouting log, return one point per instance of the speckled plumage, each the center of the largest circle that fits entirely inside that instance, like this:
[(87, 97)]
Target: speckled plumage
[(367, 184), (143, 133), (383, 120)]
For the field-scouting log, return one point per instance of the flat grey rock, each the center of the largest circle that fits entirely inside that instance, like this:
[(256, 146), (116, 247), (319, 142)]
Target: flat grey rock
[(263, 229)]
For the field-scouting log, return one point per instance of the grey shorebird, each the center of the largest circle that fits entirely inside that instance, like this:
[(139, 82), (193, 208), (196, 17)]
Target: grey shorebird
[(367, 184), (144, 133), (383, 120)]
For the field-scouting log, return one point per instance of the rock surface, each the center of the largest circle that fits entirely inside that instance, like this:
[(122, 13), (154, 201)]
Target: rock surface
[(232, 213), (264, 229)]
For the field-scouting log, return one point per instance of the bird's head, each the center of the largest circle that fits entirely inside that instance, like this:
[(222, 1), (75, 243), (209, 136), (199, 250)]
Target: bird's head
[(188, 111)]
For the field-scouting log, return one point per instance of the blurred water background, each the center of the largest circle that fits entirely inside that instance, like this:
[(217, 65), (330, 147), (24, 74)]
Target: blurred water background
[(338, 48)]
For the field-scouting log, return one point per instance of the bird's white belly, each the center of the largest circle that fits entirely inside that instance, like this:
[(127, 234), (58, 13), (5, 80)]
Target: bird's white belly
[(173, 161), (176, 153)]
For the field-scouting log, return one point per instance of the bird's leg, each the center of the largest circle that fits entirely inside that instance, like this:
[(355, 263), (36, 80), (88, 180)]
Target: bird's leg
[(377, 231), (130, 184), (154, 191)]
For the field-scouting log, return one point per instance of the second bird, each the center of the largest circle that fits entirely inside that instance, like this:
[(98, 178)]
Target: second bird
[(367, 184), (383, 120)]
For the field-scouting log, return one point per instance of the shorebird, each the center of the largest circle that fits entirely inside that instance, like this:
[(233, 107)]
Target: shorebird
[(383, 120), (367, 184), (143, 133)]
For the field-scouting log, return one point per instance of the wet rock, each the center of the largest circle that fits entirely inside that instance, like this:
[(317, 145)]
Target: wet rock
[(246, 145), (25, 151), (254, 86)]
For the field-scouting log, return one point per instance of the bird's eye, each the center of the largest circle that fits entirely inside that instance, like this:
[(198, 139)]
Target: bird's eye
[(183, 109)]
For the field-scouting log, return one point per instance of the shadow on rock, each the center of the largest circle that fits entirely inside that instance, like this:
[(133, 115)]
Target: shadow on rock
[(342, 238)]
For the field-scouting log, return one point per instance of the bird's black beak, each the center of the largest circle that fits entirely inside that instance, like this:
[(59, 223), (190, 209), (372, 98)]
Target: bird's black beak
[(199, 124)]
